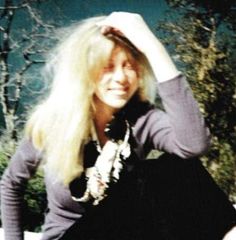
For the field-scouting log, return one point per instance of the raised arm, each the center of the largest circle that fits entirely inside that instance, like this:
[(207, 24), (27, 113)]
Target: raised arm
[(180, 129), (133, 27), (21, 167)]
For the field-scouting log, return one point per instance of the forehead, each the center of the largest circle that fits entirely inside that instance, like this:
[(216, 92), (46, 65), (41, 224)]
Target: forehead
[(120, 53)]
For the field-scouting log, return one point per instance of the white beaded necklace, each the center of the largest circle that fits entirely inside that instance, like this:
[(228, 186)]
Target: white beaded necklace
[(107, 167)]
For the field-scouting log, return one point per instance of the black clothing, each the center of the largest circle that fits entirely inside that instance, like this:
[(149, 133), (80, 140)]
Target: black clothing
[(168, 198)]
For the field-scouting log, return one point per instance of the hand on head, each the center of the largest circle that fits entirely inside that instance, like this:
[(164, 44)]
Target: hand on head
[(129, 25)]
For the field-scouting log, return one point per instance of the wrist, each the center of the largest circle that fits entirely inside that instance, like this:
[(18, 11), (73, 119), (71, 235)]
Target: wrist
[(162, 65)]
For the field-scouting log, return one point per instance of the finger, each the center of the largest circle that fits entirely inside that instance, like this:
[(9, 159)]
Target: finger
[(107, 30), (106, 22)]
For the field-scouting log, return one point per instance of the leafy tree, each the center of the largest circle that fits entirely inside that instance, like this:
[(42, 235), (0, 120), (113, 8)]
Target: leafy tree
[(201, 33)]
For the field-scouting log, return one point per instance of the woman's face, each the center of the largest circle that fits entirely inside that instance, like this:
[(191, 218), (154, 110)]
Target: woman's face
[(117, 82)]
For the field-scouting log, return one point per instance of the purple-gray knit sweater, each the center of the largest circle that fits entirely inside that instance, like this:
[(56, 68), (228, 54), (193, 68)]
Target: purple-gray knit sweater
[(180, 130)]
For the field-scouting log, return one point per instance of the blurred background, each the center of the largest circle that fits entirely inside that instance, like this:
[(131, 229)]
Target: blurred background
[(199, 34)]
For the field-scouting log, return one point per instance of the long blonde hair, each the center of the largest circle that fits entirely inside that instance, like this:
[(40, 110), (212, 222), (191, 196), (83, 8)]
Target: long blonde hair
[(61, 124)]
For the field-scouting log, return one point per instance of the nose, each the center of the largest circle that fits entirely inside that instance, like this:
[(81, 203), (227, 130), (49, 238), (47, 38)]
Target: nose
[(119, 75)]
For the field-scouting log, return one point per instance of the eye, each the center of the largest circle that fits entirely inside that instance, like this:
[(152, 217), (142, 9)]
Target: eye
[(109, 67), (129, 66)]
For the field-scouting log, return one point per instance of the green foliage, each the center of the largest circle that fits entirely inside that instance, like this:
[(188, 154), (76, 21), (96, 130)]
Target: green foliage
[(3, 165), (35, 203), (202, 36), (3, 162), (220, 162)]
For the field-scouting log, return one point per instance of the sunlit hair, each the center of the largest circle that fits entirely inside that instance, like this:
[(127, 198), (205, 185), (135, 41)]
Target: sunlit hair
[(61, 124)]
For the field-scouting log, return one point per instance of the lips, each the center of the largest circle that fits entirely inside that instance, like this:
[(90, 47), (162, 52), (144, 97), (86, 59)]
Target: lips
[(118, 90)]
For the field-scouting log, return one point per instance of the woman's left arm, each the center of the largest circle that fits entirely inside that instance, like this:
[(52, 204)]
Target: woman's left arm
[(133, 27), (180, 129)]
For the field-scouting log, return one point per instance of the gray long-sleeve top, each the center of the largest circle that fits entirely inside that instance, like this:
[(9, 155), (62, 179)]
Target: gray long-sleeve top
[(180, 130)]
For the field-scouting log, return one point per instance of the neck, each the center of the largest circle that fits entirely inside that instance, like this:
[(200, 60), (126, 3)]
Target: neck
[(103, 115)]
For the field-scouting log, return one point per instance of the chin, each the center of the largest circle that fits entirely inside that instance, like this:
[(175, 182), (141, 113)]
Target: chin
[(117, 104)]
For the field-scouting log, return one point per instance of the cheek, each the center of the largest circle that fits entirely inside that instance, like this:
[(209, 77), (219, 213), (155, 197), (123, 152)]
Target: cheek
[(134, 82), (99, 92), (100, 85)]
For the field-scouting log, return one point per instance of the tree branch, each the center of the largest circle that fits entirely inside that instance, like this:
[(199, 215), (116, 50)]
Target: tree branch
[(30, 44)]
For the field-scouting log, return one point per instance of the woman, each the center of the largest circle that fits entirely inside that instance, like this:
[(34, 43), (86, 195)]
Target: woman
[(98, 121)]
